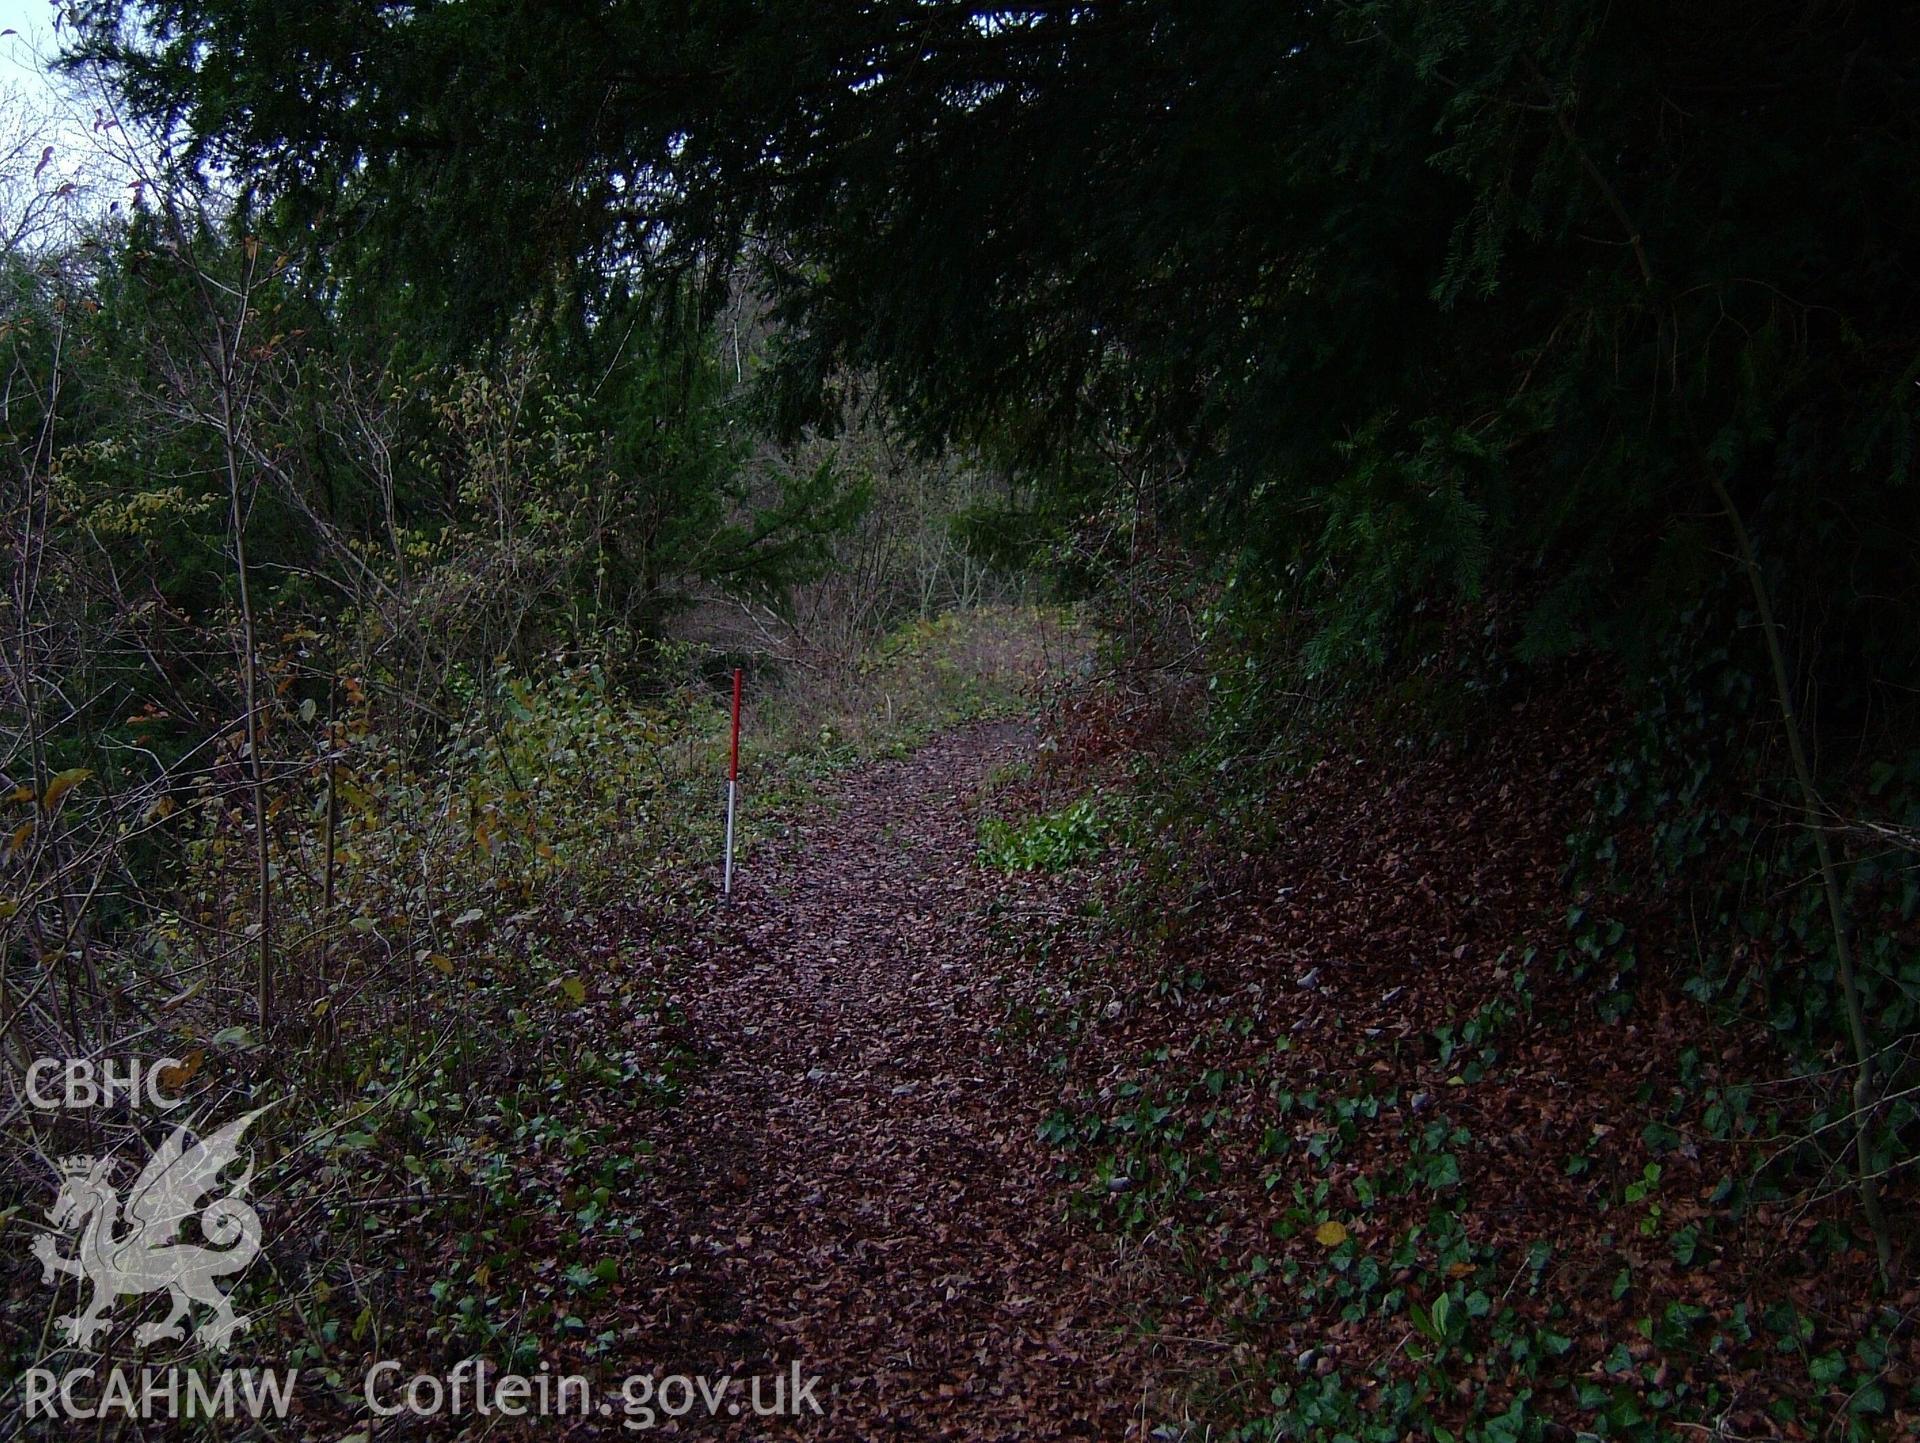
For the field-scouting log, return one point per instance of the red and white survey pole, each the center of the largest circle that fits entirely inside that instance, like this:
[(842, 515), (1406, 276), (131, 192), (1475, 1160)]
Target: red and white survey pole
[(733, 782)]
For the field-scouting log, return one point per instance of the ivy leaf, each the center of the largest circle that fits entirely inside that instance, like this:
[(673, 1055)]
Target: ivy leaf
[(1828, 1368)]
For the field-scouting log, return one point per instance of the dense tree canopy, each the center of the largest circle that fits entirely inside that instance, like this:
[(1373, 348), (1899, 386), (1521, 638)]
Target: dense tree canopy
[(1416, 288)]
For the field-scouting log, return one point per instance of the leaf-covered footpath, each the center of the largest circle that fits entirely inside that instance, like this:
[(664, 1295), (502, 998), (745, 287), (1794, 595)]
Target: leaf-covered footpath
[(854, 1179), (1355, 1146)]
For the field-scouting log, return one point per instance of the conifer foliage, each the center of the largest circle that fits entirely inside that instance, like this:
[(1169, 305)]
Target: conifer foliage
[(1418, 294)]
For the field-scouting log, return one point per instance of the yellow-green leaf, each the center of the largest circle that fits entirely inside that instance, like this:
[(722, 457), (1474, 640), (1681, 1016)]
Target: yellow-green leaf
[(1330, 1234), (62, 783), (575, 989)]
